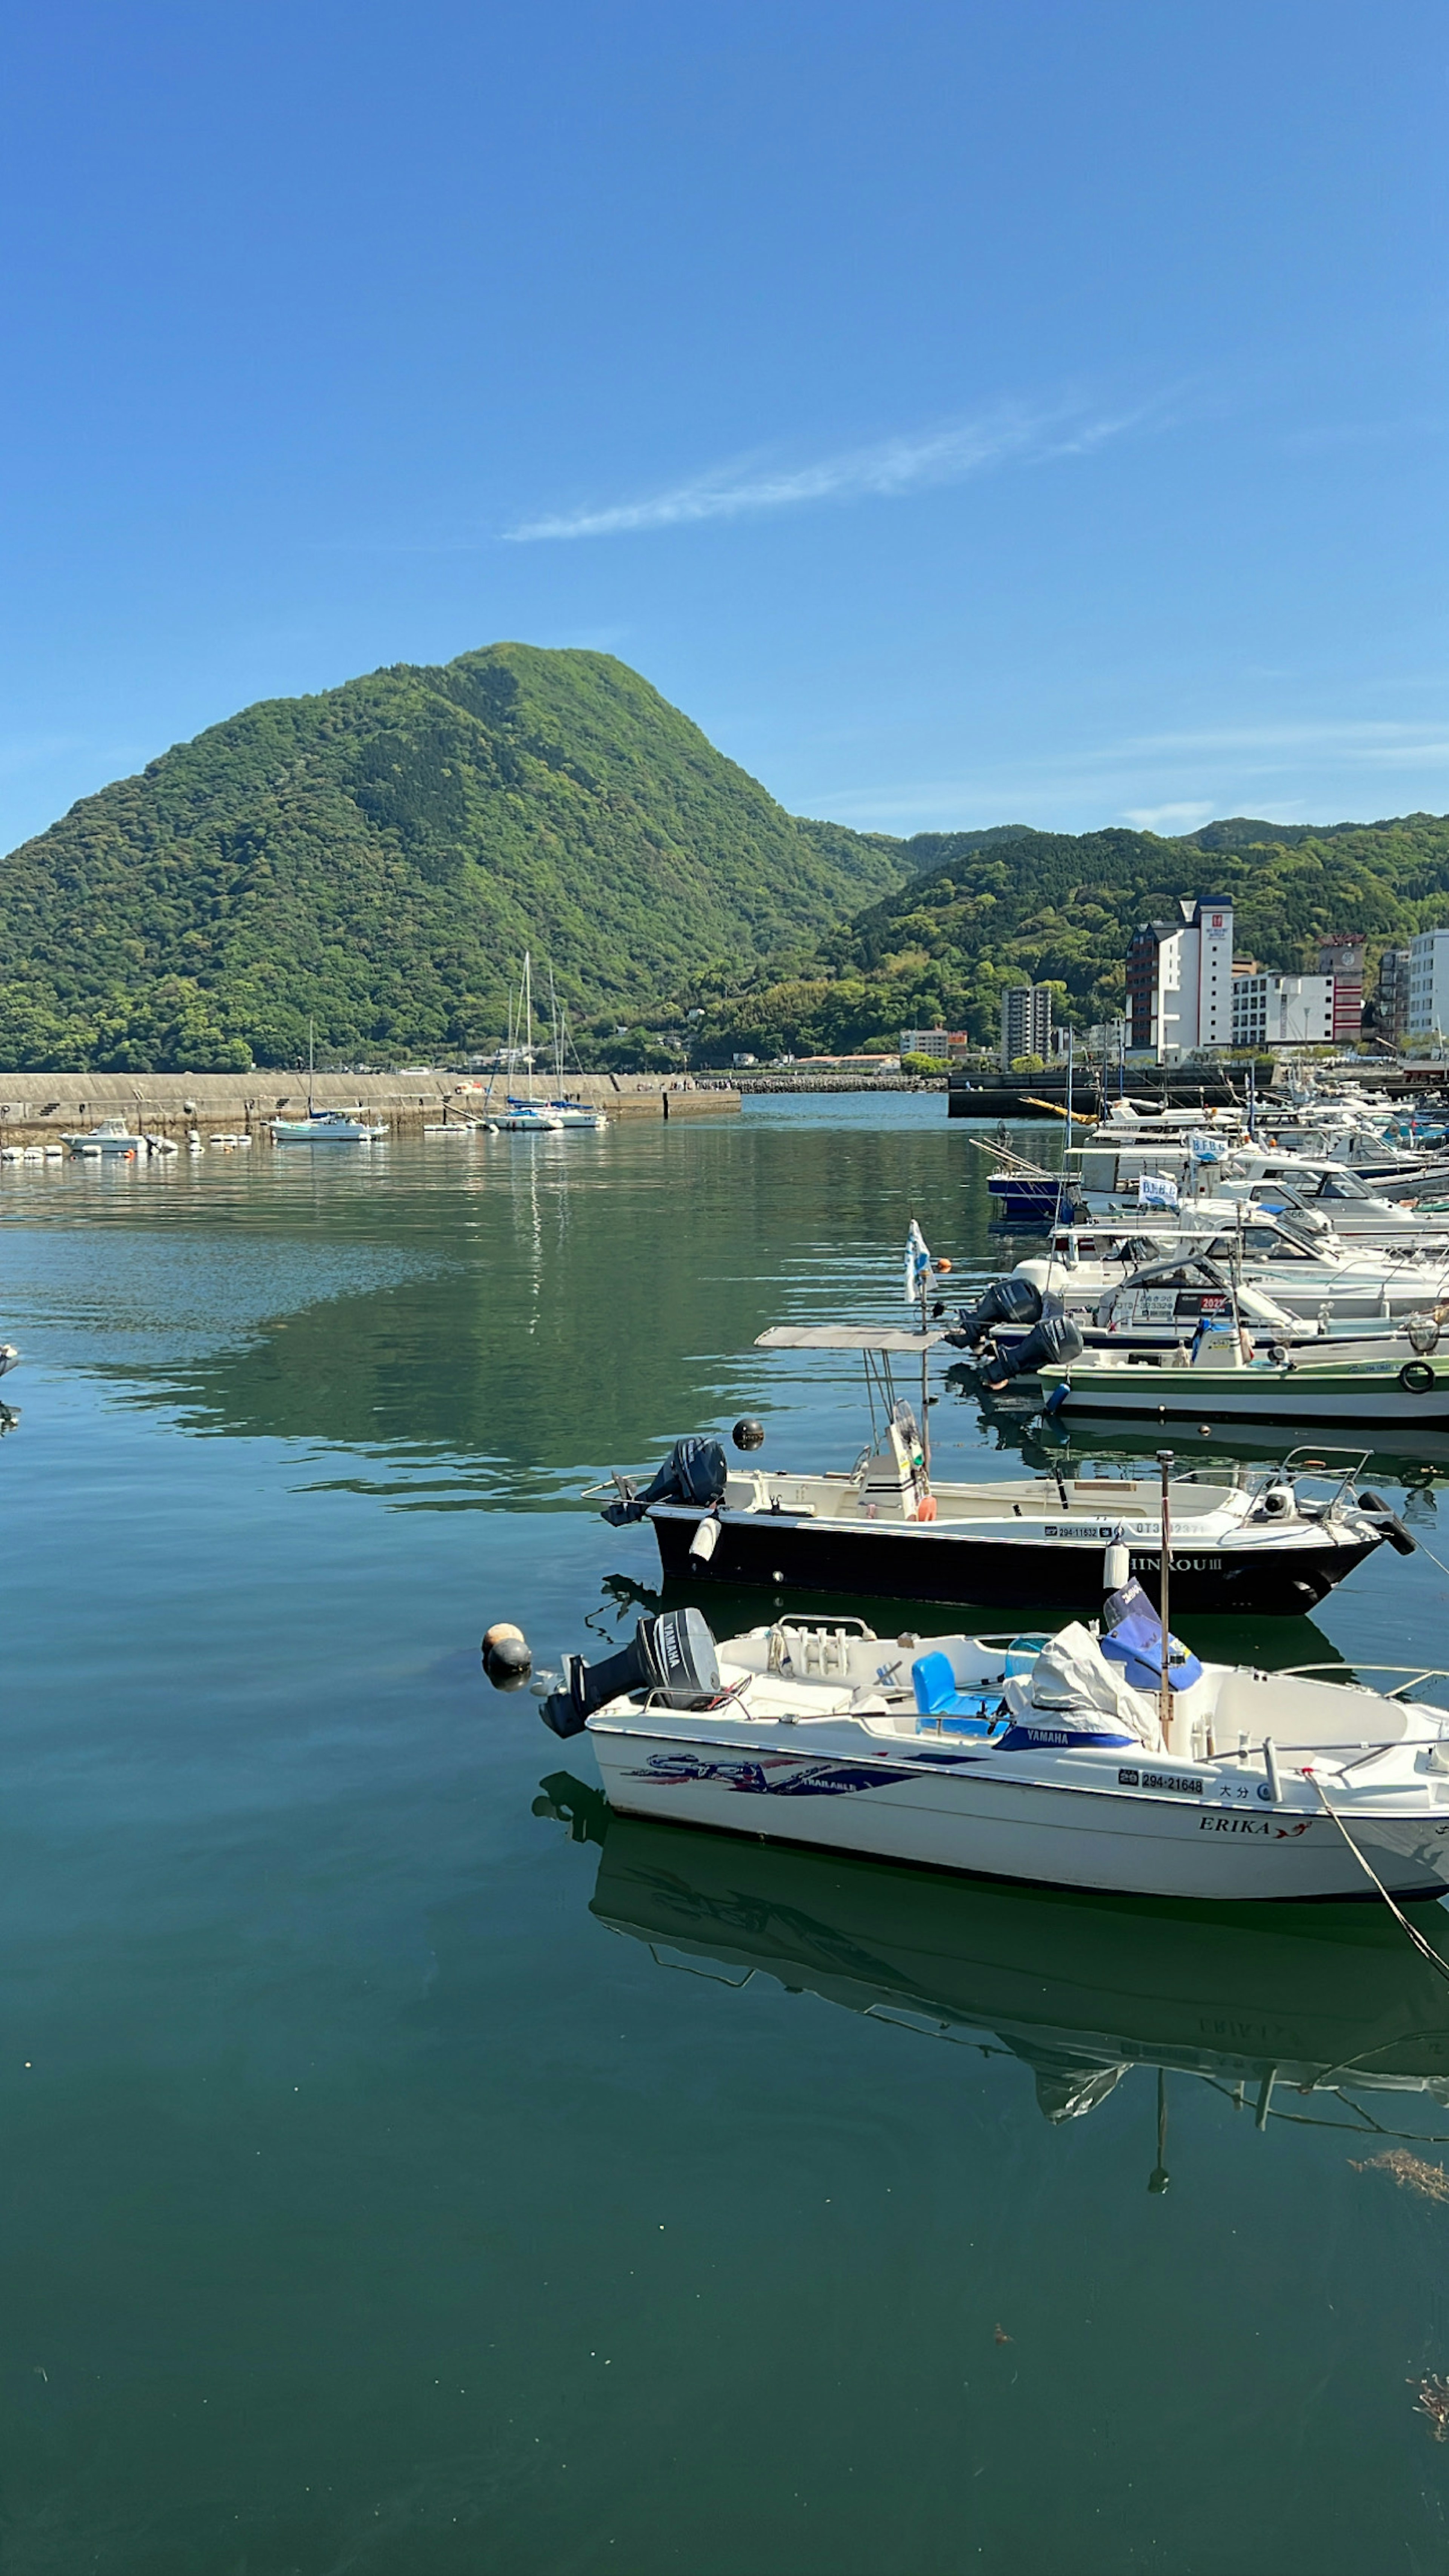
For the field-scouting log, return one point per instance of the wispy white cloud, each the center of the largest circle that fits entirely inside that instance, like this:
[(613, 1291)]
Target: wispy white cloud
[(907, 463), (1367, 742), (1169, 818)]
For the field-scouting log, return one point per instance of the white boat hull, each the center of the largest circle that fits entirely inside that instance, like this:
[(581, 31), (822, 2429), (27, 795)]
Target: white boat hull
[(1291, 1398), (1124, 1838)]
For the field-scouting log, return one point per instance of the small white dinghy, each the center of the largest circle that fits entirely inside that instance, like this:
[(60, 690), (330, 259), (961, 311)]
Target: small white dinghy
[(1062, 1762)]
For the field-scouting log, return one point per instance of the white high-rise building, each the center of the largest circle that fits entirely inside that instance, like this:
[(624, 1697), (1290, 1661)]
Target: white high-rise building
[(1428, 1010), (1180, 979), (1282, 1010), (1026, 1022)]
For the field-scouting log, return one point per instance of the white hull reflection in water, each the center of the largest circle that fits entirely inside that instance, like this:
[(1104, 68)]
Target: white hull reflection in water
[(1083, 1991)]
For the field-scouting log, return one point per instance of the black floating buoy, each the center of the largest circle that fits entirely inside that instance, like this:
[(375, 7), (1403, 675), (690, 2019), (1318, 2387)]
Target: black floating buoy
[(507, 1657), (747, 1433)]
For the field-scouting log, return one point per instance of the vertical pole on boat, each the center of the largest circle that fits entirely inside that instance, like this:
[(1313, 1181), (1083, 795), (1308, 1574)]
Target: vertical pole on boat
[(1164, 1691)]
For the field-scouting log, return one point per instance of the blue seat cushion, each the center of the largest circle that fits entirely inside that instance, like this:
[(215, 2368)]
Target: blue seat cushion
[(958, 1712)]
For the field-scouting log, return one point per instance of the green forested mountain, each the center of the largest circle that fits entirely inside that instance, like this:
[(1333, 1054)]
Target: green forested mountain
[(380, 855), (983, 910), (378, 858)]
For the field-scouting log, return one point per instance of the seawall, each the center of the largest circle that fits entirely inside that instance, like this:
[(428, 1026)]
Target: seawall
[(39, 1107)]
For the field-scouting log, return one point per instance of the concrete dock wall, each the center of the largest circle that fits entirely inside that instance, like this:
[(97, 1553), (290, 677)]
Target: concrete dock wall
[(38, 1107)]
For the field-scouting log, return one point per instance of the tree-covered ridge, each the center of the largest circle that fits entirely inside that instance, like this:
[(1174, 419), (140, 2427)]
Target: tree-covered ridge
[(979, 912), (378, 857)]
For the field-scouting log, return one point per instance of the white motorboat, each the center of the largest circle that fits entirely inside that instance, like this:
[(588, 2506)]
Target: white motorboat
[(1225, 1376), (323, 1127), (1064, 1762), (9, 1358), (1306, 1275), (108, 1136)]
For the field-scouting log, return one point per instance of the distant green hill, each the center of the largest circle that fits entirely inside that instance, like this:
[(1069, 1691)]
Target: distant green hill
[(379, 856), (1052, 907)]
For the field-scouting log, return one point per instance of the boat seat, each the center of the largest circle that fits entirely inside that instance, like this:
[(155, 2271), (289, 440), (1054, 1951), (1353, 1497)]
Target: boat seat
[(942, 1707)]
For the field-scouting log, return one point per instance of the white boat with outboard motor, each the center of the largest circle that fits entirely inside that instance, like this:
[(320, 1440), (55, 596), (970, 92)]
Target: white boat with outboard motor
[(109, 1136), (1226, 1376), (1310, 1275), (1092, 1759), (886, 1528)]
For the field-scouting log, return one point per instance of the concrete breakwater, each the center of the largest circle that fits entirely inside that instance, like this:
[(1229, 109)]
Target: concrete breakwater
[(40, 1107)]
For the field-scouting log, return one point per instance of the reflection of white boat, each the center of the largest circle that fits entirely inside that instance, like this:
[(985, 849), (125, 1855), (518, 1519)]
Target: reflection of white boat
[(108, 1136), (327, 1127), (1067, 1762), (1081, 1993)]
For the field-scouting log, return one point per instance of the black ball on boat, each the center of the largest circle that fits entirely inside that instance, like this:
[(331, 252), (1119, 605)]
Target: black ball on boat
[(747, 1433), (507, 1656)]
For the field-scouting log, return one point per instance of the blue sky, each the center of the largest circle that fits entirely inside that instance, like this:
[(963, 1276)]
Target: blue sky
[(967, 413)]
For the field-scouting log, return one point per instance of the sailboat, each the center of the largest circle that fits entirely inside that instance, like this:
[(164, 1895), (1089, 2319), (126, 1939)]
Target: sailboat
[(325, 1126), (569, 1113), (528, 1117)]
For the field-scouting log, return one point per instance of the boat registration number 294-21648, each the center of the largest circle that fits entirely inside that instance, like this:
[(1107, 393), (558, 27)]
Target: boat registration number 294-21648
[(1187, 1787)]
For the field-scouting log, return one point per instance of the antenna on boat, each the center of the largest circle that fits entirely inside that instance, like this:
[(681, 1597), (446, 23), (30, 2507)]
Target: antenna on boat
[(1164, 1688)]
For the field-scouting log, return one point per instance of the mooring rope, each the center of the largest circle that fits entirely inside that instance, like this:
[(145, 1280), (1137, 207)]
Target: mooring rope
[(1425, 1948)]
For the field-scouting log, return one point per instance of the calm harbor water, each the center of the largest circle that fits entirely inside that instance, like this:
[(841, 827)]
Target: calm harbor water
[(409, 2171)]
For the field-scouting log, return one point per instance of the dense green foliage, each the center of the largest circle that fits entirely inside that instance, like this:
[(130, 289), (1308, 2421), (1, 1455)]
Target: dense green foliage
[(981, 911), (378, 858)]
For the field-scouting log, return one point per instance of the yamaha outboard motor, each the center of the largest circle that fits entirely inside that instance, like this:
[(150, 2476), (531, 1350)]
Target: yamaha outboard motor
[(673, 1656), (695, 1471), (1055, 1341), (1007, 1301)]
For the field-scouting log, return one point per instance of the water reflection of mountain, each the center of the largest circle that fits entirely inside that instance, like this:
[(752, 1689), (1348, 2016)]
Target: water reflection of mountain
[(585, 1301), (1329, 2003)]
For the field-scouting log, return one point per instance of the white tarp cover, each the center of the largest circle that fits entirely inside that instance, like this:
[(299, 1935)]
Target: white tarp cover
[(1072, 1674)]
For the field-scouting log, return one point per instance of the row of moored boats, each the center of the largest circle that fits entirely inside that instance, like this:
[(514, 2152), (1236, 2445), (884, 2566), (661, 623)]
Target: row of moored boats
[(1186, 1258)]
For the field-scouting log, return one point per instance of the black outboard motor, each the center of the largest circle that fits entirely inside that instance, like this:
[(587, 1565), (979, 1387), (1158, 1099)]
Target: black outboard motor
[(1055, 1341), (1378, 1511), (1007, 1301), (672, 1655), (695, 1471)]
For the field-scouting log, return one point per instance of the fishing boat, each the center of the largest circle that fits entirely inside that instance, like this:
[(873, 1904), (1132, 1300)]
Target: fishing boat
[(108, 1136), (1109, 1759), (1224, 1375), (886, 1528)]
